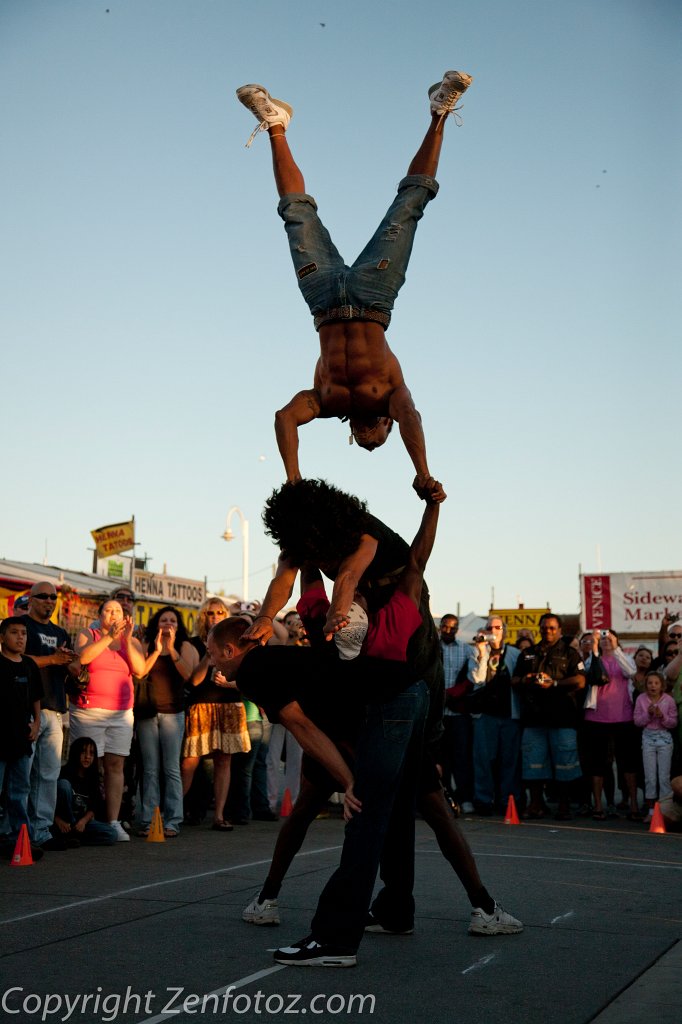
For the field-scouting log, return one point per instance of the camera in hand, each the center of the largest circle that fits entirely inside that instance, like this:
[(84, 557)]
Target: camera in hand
[(483, 638)]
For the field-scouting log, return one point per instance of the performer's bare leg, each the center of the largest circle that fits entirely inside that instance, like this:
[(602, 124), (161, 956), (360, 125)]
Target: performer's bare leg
[(288, 176)]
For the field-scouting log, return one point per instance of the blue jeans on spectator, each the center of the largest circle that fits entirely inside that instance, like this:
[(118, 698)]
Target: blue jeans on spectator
[(385, 736), (161, 737), (45, 768), (95, 833), (497, 741), (550, 753), (18, 775), (240, 798), (457, 744)]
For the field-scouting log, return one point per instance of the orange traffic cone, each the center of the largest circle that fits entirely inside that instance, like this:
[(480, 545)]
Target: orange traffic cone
[(285, 809), (657, 822), (511, 817), (22, 855), (156, 830)]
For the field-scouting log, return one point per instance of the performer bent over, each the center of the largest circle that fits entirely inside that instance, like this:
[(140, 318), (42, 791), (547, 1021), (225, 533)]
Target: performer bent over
[(357, 377)]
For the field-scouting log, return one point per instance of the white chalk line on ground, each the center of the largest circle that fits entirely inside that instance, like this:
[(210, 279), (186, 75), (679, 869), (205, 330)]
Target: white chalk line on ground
[(619, 862), (479, 964), (217, 992), (154, 885), (563, 917), (325, 849)]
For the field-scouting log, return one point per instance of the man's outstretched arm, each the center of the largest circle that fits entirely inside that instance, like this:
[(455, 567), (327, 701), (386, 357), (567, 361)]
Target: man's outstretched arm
[(420, 550), (302, 408), (401, 409)]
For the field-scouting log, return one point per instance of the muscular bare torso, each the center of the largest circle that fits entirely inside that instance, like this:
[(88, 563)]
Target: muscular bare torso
[(356, 371)]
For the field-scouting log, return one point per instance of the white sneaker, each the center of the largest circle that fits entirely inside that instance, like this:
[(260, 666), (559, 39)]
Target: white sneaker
[(467, 807), (121, 834), (261, 913), (265, 108), (444, 95), (497, 923)]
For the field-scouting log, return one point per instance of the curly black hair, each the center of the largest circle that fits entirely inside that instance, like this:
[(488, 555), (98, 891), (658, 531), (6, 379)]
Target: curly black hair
[(314, 522)]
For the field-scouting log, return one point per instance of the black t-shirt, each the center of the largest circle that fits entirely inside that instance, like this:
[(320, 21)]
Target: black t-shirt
[(555, 707), (87, 795), (20, 687), (331, 692), (43, 639)]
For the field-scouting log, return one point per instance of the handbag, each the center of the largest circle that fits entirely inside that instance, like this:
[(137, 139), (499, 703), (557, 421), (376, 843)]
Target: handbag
[(144, 705)]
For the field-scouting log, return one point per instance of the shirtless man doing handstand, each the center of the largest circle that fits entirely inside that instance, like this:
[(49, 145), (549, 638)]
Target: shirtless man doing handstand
[(357, 377)]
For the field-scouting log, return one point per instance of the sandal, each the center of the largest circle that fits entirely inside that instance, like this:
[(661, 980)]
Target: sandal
[(220, 825), (143, 833), (598, 816), (635, 816), (534, 815), (170, 833)]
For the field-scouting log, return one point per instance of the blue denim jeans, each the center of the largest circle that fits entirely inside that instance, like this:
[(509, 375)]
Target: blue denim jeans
[(161, 737), (550, 754), (45, 768), (240, 802), (378, 274), (497, 741), (18, 774), (291, 779), (458, 756), (387, 733), (95, 833)]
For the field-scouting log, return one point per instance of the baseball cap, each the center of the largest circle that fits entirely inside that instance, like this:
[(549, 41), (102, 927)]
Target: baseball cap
[(349, 639)]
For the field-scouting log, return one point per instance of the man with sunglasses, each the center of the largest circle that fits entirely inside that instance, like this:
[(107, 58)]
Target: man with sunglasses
[(50, 648)]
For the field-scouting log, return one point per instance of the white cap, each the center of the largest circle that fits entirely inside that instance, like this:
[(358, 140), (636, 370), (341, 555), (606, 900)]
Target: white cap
[(349, 639)]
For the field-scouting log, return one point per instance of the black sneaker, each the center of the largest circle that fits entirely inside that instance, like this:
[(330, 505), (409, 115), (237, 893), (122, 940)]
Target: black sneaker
[(374, 925), (309, 953)]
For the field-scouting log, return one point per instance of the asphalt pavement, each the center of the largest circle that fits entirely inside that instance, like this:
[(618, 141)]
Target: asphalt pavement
[(139, 931)]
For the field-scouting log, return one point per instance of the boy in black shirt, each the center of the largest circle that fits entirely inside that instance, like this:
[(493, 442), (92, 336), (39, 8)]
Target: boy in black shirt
[(20, 694)]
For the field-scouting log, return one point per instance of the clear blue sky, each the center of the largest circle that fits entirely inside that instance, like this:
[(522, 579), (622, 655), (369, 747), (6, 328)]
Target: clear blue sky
[(151, 323)]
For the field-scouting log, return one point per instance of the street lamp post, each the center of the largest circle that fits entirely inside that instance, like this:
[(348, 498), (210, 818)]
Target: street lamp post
[(229, 535)]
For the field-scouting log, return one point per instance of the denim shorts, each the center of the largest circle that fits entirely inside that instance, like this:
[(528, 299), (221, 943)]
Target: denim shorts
[(378, 274), (550, 754)]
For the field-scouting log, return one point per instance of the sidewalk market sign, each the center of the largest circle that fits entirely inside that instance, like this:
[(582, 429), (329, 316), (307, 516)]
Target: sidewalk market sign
[(629, 602)]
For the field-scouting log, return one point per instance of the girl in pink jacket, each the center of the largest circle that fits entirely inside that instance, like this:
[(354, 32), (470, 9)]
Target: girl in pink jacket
[(656, 714)]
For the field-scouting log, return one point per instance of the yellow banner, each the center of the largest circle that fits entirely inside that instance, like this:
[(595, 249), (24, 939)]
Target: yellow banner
[(110, 540), (518, 619)]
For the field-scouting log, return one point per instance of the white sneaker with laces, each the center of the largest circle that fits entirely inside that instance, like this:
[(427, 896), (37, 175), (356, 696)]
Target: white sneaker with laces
[(444, 95), (266, 912), (497, 923), (265, 108), (121, 834)]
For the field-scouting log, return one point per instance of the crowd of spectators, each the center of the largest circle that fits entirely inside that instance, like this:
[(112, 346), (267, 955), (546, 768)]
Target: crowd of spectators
[(97, 734), (564, 723)]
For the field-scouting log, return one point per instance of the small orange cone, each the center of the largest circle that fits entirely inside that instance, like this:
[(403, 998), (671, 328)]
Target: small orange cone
[(22, 856), (156, 830), (657, 822), (511, 817), (285, 809)]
